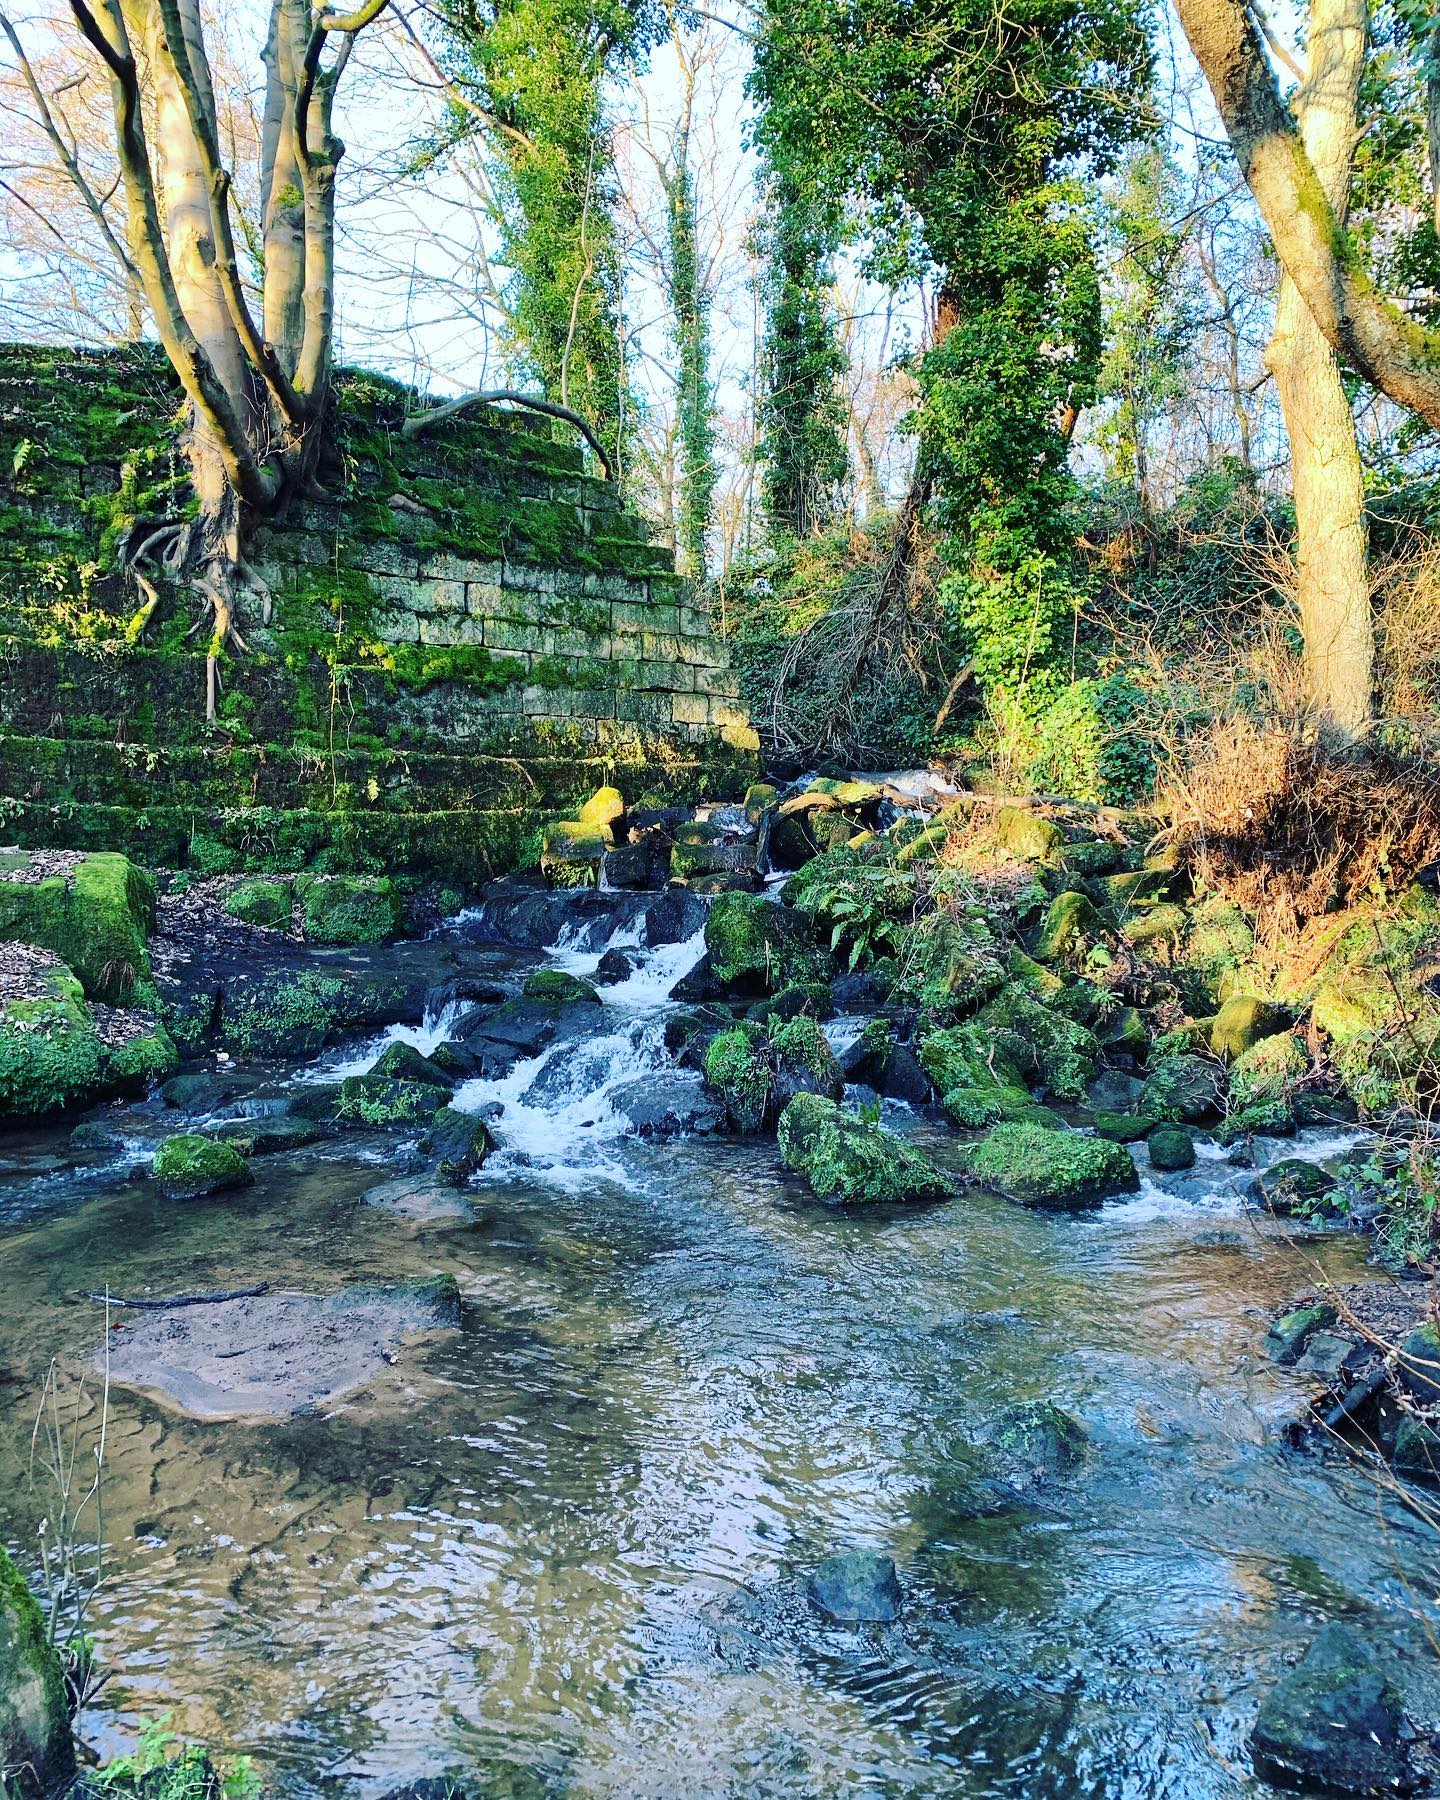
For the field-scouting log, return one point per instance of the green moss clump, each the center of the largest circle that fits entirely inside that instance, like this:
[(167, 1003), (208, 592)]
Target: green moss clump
[(348, 910), (755, 945), (805, 1055), (565, 990), (571, 853), (293, 1015), (1041, 1042), (1028, 837), (604, 810), (403, 1062), (1219, 943), (35, 1740), (1069, 925), (98, 921), (852, 1161), (261, 902), (50, 1055), (1243, 1020), (1123, 1128), (1041, 1435), (812, 997), (740, 1069), (189, 1166), (141, 1060), (1042, 1167), (1268, 1070), (383, 1100), (1171, 1147), (948, 963)]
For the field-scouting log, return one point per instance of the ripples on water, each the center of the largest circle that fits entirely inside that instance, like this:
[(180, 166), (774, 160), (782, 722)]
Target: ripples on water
[(568, 1546)]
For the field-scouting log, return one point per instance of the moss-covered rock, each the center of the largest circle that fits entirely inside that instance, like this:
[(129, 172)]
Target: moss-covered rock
[(563, 989), (948, 963), (925, 846), (1171, 1148), (1025, 972), (98, 919), (1219, 945), (1124, 1033), (1242, 1021), (1335, 1723), (403, 1062), (1028, 837), (1156, 929), (1043, 1167), (1122, 1128), (603, 811), (347, 910), (1069, 925), (262, 902), (805, 1063), (383, 1100), (849, 1160), (571, 853), (1287, 1337), (1046, 1047), (978, 1086), (760, 796), (459, 1143), (739, 1067), (1037, 1434), (51, 1058), (812, 997), (37, 1756), (189, 1166), (149, 1055), (1268, 1069), (755, 946), (1293, 1185), (1184, 1089)]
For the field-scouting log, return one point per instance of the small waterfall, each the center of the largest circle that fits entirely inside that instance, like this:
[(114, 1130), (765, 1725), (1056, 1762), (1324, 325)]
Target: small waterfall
[(358, 1059), (557, 1116)]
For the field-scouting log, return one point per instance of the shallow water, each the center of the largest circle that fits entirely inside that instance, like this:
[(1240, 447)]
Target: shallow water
[(567, 1547)]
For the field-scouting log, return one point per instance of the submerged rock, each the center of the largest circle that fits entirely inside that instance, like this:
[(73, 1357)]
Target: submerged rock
[(1044, 1167), (1040, 1435), (856, 1587), (273, 1354), (188, 1166), (36, 1752), (1333, 1725), (850, 1160)]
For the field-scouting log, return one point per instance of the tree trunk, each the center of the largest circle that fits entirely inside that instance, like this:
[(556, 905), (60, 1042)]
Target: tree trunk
[(281, 191), (1332, 575)]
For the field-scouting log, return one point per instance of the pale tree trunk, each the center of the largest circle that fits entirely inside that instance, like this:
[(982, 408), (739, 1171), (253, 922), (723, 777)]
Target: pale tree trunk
[(1393, 352), (281, 189), (1332, 574)]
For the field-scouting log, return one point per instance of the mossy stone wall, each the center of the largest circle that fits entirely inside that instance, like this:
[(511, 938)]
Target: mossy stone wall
[(470, 637)]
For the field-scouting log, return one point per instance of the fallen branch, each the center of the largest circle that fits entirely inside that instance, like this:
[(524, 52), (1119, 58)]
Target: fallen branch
[(419, 422), (182, 1299)]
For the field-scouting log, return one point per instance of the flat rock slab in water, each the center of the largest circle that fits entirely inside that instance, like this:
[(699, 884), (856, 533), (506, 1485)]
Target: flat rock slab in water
[(274, 1354), (424, 1198)]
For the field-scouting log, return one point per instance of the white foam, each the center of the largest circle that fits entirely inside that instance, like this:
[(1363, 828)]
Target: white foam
[(359, 1059)]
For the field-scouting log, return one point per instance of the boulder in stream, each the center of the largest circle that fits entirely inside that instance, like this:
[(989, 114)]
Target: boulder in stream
[(459, 1142), (1171, 1148), (1333, 1725), (1040, 1166), (848, 1159), (1185, 1090), (667, 1106), (35, 1741), (1293, 1185), (189, 1166), (1040, 1436), (856, 1587)]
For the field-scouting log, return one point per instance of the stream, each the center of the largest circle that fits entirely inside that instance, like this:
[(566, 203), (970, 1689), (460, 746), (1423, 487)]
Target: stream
[(563, 1551)]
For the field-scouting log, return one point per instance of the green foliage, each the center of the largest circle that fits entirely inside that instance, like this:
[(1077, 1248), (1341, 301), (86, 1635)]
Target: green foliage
[(540, 68), (737, 1067), (163, 1767), (695, 400), (1402, 1196), (802, 408), (1041, 1042), (50, 1055), (951, 128), (863, 901), (348, 910)]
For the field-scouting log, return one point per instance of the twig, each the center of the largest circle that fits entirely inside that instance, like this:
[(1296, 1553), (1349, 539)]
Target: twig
[(248, 1293)]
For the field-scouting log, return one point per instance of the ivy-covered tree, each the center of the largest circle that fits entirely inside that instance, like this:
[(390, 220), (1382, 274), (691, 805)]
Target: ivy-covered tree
[(534, 84), (956, 131), (802, 408)]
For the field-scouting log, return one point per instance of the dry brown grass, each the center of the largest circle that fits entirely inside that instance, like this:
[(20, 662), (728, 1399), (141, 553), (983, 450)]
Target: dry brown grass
[(1290, 822), (1407, 630)]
